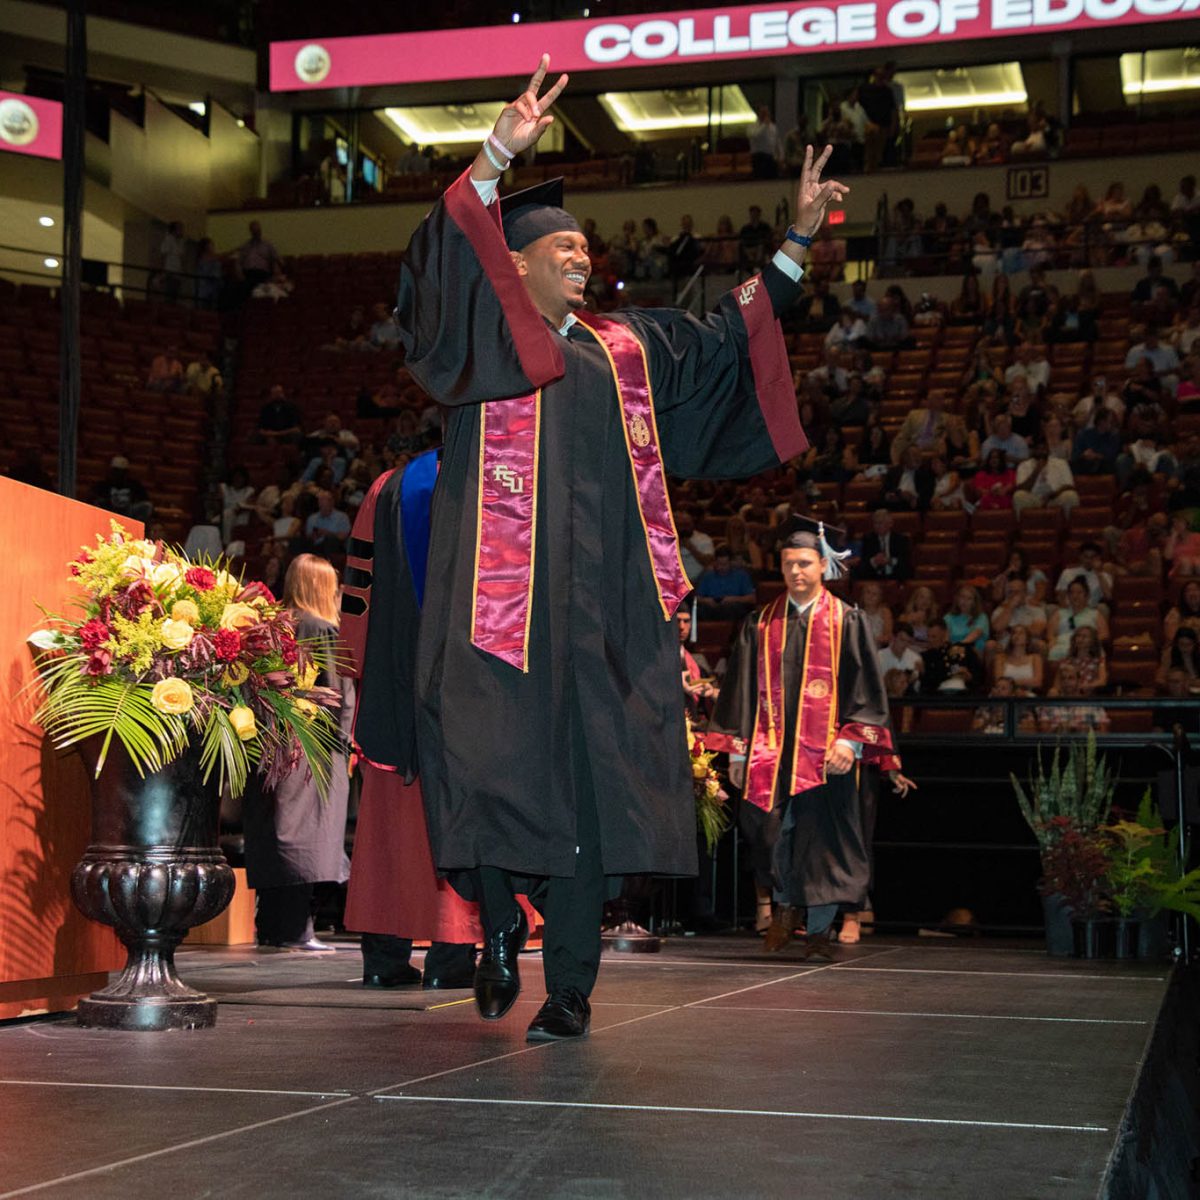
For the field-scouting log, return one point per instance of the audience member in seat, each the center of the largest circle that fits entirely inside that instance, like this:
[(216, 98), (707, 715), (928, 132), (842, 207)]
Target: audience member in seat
[(873, 450), (237, 503), (923, 428), (1182, 548), (949, 667), (1017, 608), (920, 614), (201, 377), (1163, 359), (327, 456), (744, 551), (385, 333), (1087, 655), (908, 486), (1036, 583), (695, 548), (992, 718), (1045, 482), (328, 528), (887, 328), (166, 372), (725, 592), (966, 622), (754, 239), (900, 655), (1013, 447), (885, 553), (875, 613), (1090, 568), (1183, 654), (1067, 718), (121, 493), (1096, 446), (279, 418), (820, 308), (1185, 613), (1018, 663), (995, 482), (1075, 614)]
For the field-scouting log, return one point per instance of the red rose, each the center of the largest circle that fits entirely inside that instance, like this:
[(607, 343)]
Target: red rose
[(227, 644), (92, 634), (201, 578), (99, 664)]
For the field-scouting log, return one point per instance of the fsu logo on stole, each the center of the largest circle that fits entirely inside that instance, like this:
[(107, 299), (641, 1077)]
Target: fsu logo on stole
[(818, 689), (639, 431)]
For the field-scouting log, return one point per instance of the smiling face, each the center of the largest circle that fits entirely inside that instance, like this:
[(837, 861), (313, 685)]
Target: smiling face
[(555, 270)]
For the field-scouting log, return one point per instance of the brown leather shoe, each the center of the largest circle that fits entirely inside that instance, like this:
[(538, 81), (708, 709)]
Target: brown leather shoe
[(783, 923)]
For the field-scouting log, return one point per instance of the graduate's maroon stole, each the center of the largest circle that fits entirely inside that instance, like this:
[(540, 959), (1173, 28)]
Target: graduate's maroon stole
[(507, 518), (817, 702)]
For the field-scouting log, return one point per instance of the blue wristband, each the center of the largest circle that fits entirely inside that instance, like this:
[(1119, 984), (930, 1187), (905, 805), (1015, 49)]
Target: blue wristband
[(799, 238)]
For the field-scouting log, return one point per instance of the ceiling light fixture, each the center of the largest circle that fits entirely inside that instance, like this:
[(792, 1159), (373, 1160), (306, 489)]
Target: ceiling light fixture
[(52, 263), (46, 222)]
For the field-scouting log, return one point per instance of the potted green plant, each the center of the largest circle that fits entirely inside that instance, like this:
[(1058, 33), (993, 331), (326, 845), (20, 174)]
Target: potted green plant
[(1076, 793), (1074, 866), (175, 680), (1144, 878)]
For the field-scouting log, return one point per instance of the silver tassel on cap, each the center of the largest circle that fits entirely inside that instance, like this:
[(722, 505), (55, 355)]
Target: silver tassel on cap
[(833, 558)]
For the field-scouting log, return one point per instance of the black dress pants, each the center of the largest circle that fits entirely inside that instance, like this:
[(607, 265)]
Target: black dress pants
[(284, 914), (384, 953), (572, 907)]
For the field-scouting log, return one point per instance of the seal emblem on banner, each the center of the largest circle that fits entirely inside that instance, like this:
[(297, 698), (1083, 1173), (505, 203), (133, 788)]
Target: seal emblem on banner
[(818, 689), (18, 122), (313, 63), (639, 431)]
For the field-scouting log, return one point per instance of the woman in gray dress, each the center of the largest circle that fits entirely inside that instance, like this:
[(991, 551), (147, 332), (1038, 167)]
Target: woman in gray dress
[(294, 838)]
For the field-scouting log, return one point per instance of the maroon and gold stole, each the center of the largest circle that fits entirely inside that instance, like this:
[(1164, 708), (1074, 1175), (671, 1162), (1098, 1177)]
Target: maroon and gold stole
[(507, 507), (817, 702)]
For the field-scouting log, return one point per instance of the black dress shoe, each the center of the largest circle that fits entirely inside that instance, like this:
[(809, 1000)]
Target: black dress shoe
[(451, 979), (566, 1014), (496, 980), (404, 976)]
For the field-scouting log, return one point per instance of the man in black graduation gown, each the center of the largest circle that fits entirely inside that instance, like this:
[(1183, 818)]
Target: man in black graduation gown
[(550, 733), (805, 692)]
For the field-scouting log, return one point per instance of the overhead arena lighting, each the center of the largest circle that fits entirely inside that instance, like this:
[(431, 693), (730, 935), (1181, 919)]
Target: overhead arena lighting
[(52, 263), (446, 124), (643, 114), (990, 86), (1155, 72), (46, 222)]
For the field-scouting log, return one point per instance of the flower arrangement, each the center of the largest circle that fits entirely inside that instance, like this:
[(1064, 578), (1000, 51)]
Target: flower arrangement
[(166, 651), (712, 816)]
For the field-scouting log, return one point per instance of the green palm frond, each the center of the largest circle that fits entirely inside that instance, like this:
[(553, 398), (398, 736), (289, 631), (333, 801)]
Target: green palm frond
[(222, 749), (78, 708), (318, 736)]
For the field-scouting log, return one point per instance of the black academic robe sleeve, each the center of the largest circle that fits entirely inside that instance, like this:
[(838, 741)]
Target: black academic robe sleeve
[(385, 723), (723, 395), (469, 328), (737, 700)]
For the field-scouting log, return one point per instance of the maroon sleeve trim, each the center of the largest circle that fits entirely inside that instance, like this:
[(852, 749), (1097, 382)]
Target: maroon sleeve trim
[(540, 358), (772, 371)]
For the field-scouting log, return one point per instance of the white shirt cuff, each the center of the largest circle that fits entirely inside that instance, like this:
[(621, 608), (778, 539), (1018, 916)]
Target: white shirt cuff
[(486, 189), (851, 745), (792, 269)]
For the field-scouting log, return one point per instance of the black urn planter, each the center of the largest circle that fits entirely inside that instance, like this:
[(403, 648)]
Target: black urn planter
[(1094, 937), (1056, 914), (152, 871)]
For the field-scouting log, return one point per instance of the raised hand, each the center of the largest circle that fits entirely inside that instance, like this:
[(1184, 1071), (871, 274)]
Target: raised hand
[(523, 121), (814, 196)]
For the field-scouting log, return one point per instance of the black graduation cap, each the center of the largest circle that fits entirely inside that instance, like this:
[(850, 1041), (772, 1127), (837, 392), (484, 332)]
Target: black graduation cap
[(534, 212), (800, 532)]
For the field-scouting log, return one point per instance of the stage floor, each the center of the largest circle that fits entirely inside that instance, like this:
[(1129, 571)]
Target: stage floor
[(907, 1068)]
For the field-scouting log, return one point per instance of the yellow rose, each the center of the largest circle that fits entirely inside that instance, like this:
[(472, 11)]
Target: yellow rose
[(172, 696), (235, 674), (306, 708), (175, 634), (166, 575), (238, 616), (699, 770), (307, 678), (185, 610), (228, 583), (242, 720)]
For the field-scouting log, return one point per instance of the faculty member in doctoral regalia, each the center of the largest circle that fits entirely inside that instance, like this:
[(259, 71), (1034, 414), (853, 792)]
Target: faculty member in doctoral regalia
[(805, 693), (549, 728)]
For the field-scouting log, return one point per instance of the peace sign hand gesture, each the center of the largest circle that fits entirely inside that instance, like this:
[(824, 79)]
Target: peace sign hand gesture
[(814, 196), (523, 121)]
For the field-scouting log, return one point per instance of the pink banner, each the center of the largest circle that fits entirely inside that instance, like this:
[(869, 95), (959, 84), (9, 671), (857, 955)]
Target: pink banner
[(752, 31), (30, 125)]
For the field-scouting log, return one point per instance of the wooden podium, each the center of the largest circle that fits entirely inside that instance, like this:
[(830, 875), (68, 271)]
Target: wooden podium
[(50, 954)]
